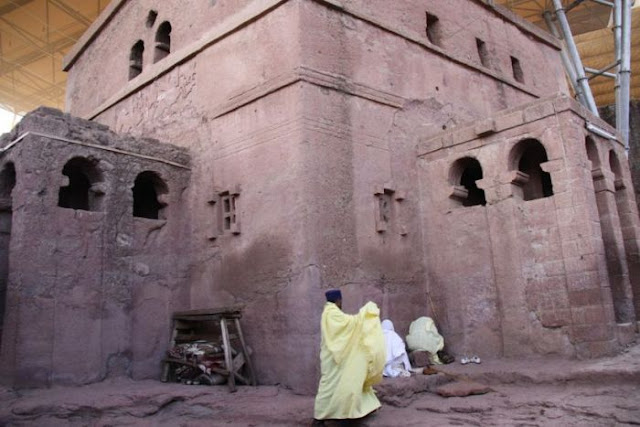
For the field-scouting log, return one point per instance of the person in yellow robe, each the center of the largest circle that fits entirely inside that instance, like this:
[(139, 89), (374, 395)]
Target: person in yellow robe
[(352, 358)]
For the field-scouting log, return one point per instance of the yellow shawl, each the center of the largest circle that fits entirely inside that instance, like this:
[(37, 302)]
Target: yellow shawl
[(352, 357)]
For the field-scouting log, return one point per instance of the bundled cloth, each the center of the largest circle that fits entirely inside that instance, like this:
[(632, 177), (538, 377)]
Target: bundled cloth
[(424, 336), (208, 358), (397, 359)]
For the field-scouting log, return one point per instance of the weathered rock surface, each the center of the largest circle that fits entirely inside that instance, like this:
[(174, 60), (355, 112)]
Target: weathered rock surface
[(90, 281), (526, 392), (462, 389)]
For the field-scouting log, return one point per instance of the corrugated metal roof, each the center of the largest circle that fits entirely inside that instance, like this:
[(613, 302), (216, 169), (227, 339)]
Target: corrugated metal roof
[(34, 37), (36, 34), (591, 24), (596, 50), (584, 17)]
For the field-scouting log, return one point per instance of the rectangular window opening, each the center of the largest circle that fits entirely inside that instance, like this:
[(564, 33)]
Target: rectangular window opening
[(517, 70), (228, 213), (385, 210), (483, 54)]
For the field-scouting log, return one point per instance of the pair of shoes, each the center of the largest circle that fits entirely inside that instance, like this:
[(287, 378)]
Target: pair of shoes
[(472, 359)]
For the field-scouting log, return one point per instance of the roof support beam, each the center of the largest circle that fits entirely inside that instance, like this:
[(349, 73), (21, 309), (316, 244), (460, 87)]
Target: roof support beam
[(578, 2), (71, 12), (604, 2), (36, 55), (28, 37), (13, 5)]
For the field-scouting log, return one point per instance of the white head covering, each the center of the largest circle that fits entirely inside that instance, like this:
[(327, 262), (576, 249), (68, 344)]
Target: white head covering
[(396, 351), (387, 325)]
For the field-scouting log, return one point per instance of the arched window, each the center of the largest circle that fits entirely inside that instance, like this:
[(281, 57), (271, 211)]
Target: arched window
[(163, 41), (526, 157), (434, 32), (614, 164), (147, 188), (135, 59), (483, 52), (81, 191), (592, 152), (518, 75), (616, 168), (463, 175)]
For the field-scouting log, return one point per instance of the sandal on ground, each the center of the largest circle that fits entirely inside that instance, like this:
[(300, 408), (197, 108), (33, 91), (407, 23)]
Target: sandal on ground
[(445, 357), (429, 371)]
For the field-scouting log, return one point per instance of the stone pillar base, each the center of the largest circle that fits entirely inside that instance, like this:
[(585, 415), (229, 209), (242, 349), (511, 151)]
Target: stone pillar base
[(626, 332)]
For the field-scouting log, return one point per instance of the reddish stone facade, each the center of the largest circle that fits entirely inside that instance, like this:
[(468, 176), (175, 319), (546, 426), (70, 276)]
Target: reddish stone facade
[(92, 277), (405, 152), (546, 259), (608, 113)]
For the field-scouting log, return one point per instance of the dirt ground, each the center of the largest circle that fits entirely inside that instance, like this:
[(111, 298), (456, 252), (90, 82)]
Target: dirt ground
[(531, 392)]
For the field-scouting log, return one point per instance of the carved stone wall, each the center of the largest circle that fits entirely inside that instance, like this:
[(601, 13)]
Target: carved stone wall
[(89, 290), (302, 118)]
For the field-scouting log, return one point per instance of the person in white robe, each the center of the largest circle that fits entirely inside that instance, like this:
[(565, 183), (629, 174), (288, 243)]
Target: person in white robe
[(397, 359)]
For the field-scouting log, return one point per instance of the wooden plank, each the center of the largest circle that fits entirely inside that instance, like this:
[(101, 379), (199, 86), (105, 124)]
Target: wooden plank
[(205, 317), (238, 362), (227, 355), (241, 378), (231, 310), (165, 371), (209, 337), (245, 352)]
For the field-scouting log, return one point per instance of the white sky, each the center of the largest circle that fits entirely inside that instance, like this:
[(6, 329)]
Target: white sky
[(7, 120)]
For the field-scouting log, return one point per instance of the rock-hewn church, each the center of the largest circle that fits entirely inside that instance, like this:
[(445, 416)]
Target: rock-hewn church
[(258, 152)]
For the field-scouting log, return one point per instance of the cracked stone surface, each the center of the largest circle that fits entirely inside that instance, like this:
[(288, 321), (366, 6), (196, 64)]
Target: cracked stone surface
[(526, 392)]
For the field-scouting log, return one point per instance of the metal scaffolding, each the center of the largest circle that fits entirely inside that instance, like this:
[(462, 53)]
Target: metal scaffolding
[(559, 26)]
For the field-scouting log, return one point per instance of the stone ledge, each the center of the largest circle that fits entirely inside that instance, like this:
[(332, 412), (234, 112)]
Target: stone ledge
[(311, 76), (51, 124), (509, 119)]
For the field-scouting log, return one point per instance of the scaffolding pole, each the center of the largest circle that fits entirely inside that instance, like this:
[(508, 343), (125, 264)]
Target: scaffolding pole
[(581, 78), (622, 32), (566, 61)]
